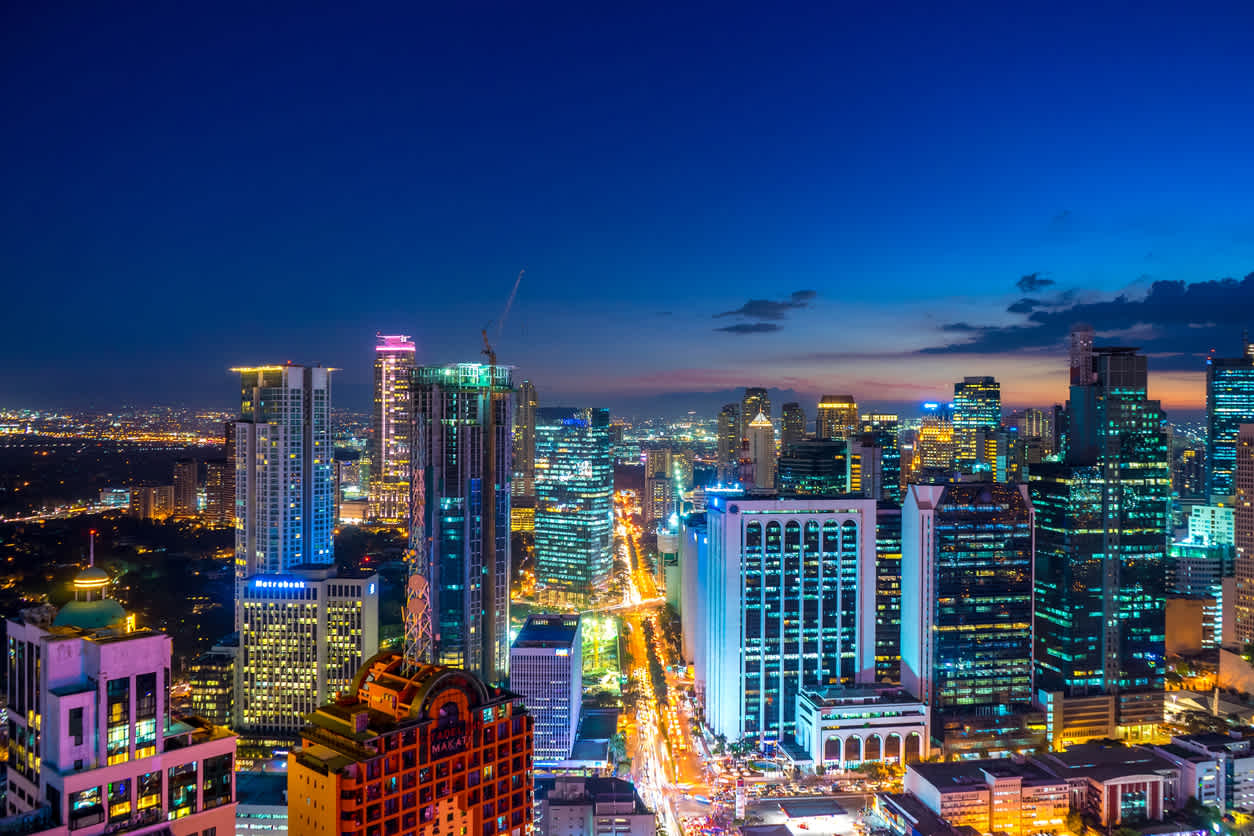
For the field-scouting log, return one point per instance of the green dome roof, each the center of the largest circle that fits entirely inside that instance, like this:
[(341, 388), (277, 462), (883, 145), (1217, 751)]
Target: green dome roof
[(90, 615)]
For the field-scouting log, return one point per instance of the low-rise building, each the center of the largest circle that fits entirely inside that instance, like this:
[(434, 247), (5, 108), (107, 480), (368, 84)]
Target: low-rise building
[(994, 795), (839, 728), (1199, 773), (1235, 754), (582, 806), (261, 808), (1115, 784)]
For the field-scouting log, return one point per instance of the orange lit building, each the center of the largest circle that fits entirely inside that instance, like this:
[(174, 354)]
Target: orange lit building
[(438, 752)]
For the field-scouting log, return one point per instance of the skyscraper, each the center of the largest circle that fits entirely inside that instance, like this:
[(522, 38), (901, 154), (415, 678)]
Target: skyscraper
[(794, 426), (787, 589), (574, 520), (525, 441), (934, 442), (546, 670), (186, 486), (220, 493), (729, 443), (888, 593), (283, 469), (302, 632), (755, 400), (466, 413), (762, 452), (816, 467), (1229, 404), (1243, 533), (966, 595), (837, 416), (1102, 525), (392, 439), (977, 406)]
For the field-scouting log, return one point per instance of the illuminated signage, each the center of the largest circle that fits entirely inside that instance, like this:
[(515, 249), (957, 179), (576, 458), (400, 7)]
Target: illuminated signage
[(265, 584), (448, 741)]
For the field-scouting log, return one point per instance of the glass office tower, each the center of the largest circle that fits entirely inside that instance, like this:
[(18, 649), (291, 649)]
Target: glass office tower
[(466, 414), (1229, 404), (977, 406), (1102, 528), (966, 595), (574, 504)]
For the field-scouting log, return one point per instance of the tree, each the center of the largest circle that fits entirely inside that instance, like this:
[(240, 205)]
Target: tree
[(1075, 822)]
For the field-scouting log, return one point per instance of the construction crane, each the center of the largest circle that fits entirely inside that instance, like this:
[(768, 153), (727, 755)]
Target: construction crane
[(488, 351)]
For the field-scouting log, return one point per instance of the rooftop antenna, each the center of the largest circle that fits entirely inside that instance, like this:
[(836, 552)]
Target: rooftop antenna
[(91, 548)]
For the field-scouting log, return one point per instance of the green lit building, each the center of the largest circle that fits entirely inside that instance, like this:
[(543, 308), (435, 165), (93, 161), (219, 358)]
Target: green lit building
[(574, 482), (966, 596), (1229, 404), (818, 467), (887, 593), (465, 414), (977, 406), (1102, 528)]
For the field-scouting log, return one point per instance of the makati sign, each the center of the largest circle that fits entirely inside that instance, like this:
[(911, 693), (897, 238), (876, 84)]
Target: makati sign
[(448, 740)]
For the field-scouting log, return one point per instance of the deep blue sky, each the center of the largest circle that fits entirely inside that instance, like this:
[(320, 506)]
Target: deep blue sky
[(188, 190)]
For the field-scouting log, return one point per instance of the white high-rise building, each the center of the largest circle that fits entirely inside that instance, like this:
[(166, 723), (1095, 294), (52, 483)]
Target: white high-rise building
[(393, 426), (1213, 525), (546, 670), (93, 745), (762, 451), (787, 602), (303, 630)]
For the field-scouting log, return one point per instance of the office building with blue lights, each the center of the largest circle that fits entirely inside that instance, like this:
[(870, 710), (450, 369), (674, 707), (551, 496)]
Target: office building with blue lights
[(465, 412), (1229, 404), (574, 483), (1102, 527), (303, 630), (966, 596), (977, 412), (786, 592)]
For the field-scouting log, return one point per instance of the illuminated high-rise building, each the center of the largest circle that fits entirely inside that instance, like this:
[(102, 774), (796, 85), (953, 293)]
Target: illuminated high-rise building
[(787, 602), (934, 442), (1243, 533), (574, 519), (762, 452), (301, 628), (393, 426), (546, 670), (186, 486), (793, 427), (881, 430), (525, 441), (220, 493), (94, 746), (284, 511), (431, 751), (1229, 404), (466, 410), (837, 417), (888, 593), (1102, 526), (977, 406), (729, 443), (815, 467), (756, 400), (966, 595)]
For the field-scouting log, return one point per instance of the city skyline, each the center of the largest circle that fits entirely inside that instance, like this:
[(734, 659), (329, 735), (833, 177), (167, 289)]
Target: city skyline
[(815, 218)]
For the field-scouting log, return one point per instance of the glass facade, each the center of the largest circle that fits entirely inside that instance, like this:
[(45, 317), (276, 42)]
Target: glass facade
[(1102, 527), (1229, 404), (977, 406), (982, 581), (574, 502), (888, 594), (456, 405)]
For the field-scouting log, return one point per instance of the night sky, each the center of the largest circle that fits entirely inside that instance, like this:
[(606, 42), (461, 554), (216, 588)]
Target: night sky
[(868, 199)]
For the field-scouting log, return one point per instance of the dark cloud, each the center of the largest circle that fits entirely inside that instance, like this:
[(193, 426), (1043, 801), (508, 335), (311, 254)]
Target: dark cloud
[(750, 328), (1182, 321), (1032, 282), (767, 309), (1025, 305)]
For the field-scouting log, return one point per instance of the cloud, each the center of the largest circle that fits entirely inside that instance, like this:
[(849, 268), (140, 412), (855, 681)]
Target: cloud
[(750, 328), (1032, 282), (1025, 305), (1179, 320), (767, 309)]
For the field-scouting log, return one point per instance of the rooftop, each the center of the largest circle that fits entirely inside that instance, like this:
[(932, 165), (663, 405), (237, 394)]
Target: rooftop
[(263, 789), (956, 775), (546, 630), (839, 695), (1103, 762)]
